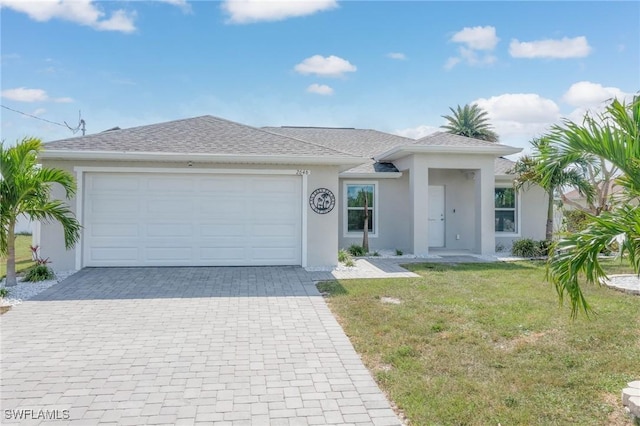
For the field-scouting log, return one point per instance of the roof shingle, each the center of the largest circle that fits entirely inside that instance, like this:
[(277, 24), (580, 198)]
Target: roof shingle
[(206, 134), (360, 142)]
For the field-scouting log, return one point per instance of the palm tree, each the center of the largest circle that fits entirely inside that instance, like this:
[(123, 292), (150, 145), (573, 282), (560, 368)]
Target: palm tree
[(615, 136), (551, 171), (471, 121), (25, 189)]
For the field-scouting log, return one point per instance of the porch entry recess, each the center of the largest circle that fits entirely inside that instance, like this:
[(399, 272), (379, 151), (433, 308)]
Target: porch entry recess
[(436, 216)]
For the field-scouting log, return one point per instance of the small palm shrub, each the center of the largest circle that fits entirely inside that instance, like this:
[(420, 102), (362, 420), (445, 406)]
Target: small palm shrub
[(3, 292), (543, 247), (525, 247), (345, 257), (356, 250), (39, 272), (399, 252)]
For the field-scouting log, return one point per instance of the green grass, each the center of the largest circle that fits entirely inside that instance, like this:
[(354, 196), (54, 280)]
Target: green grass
[(23, 256), (482, 344)]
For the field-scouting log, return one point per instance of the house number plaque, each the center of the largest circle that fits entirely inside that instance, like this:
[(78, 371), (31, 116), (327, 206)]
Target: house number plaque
[(322, 201)]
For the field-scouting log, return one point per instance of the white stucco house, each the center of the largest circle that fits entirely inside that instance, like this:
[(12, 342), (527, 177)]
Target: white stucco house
[(210, 192)]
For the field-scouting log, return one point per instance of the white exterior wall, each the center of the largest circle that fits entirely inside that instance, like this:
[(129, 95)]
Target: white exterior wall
[(392, 215), (322, 240), (419, 165)]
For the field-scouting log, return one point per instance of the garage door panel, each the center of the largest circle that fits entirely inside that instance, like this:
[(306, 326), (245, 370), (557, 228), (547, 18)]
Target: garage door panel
[(113, 229), (168, 184), (275, 230), (170, 229), (106, 206), (115, 255), (169, 253), (111, 183), (222, 230), (169, 206), (223, 255), (223, 207), (221, 185), (138, 219), (272, 254)]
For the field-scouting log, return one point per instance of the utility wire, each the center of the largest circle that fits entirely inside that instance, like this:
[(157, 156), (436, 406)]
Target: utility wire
[(81, 122), (33, 116)]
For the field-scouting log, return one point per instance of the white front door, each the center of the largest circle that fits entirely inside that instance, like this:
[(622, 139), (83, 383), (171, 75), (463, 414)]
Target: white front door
[(436, 216)]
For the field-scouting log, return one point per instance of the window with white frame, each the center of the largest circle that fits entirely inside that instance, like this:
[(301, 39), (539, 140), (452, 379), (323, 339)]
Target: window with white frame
[(506, 204), (355, 194)]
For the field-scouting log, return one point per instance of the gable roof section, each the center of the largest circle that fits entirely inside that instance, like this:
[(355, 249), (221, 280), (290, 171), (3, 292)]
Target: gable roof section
[(503, 166), (449, 139), (360, 142), (447, 143), (199, 136)]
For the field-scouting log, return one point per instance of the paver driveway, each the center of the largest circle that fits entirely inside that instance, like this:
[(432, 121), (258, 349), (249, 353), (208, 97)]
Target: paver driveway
[(183, 346)]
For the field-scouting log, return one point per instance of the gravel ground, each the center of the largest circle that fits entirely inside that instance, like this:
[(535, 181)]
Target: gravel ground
[(628, 283), (27, 290)]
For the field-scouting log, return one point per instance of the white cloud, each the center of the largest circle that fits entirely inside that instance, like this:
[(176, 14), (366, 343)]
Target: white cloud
[(22, 94), (182, 4), (477, 38), (588, 94), (451, 62), (577, 47), (120, 21), (84, 12), (520, 115), (38, 111), (417, 132), (474, 40), (331, 66), (248, 11), (320, 89), (397, 55)]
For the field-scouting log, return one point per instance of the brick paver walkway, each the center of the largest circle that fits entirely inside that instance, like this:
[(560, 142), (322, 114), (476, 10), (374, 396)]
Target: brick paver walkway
[(233, 346)]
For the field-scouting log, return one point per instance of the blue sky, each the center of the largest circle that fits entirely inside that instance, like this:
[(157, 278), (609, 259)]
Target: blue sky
[(392, 66)]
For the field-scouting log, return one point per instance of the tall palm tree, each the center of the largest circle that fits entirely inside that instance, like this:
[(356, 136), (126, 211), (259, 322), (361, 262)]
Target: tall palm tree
[(471, 121), (25, 189), (551, 171), (615, 136)]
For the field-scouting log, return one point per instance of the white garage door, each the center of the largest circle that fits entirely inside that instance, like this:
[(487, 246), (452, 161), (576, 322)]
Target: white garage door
[(149, 219)]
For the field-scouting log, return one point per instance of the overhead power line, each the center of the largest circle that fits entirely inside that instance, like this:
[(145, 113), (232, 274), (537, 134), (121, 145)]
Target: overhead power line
[(81, 122)]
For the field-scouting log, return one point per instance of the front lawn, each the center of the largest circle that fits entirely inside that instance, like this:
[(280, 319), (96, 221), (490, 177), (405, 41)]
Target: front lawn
[(482, 344), (23, 255)]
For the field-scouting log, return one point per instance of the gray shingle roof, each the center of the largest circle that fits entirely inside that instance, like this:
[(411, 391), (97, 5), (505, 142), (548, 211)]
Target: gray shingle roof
[(360, 142), (213, 135), (503, 165), (206, 134), (448, 139)]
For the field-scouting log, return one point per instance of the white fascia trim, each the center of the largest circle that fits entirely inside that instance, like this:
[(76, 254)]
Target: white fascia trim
[(379, 175), (505, 177), (303, 196), (401, 151), (190, 170), (201, 157), (79, 216)]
